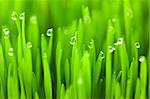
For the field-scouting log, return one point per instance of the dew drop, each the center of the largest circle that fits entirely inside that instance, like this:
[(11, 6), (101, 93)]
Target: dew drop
[(111, 49), (102, 55), (120, 41), (29, 44), (14, 16), (6, 31), (137, 44), (21, 16), (90, 45), (73, 40), (49, 32), (141, 58), (11, 52)]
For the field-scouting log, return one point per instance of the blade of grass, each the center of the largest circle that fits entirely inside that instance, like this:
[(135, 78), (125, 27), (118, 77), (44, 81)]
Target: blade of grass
[(62, 91), (47, 77), (110, 40), (137, 90), (86, 69), (67, 73), (22, 94), (124, 64), (12, 83), (143, 77), (58, 68), (2, 96)]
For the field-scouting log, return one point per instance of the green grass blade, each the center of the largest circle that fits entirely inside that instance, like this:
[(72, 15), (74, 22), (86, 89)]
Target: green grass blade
[(138, 89), (12, 83), (58, 68), (67, 73), (86, 69), (124, 64), (62, 91), (47, 77), (143, 77)]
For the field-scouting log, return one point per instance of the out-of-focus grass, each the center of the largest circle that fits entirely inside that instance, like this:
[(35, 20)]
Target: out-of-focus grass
[(80, 49)]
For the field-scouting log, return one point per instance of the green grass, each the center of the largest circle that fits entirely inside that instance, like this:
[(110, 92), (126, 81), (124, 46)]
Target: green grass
[(86, 49)]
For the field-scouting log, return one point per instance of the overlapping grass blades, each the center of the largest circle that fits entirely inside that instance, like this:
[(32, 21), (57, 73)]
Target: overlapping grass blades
[(98, 55)]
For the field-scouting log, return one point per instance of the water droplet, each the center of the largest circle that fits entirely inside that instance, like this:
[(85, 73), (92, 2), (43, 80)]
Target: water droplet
[(6, 31), (141, 58), (14, 16), (102, 55), (111, 49), (130, 13), (73, 40), (90, 45), (49, 32), (29, 44), (137, 44), (11, 52), (21, 16), (120, 41)]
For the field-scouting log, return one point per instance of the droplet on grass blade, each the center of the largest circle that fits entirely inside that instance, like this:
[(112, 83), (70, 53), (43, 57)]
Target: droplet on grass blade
[(6, 31), (90, 45), (29, 44), (111, 49), (14, 16), (21, 16), (137, 44), (120, 41), (11, 52), (73, 40), (102, 55), (49, 32), (141, 58)]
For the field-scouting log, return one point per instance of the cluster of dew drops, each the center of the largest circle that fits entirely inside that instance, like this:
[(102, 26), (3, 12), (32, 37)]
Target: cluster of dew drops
[(72, 39)]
